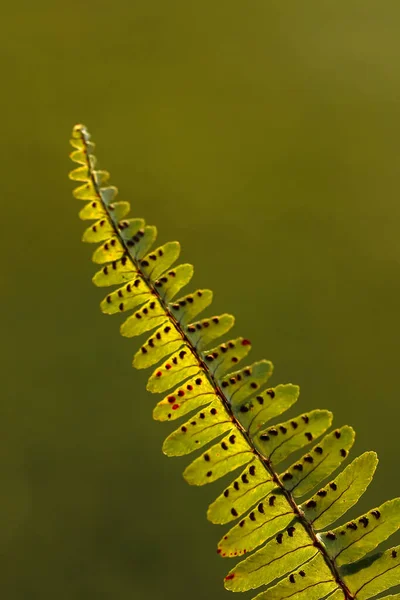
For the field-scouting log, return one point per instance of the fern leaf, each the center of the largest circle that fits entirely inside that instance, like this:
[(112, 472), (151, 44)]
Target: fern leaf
[(290, 553), (334, 500)]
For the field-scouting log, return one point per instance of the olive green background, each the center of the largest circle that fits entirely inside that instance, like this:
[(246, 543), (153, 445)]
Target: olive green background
[(263, 135)]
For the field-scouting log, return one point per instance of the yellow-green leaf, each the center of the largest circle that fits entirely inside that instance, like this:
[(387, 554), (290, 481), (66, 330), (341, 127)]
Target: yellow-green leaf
[(334, 500), (279, 556), (262, 522), (163, 342), (186, 308), (209, 423), (355, 539), (310, 470), (241, 384), (203, 332), (374, 574), (148, 317), (225, 356), (192, 394), (171, 373), (267, 405), (278, 442), (119, 271), (225, 456), (129, 296), (254, 484)]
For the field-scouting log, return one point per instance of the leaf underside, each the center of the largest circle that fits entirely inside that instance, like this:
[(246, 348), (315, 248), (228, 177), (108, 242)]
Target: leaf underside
[(282, 518)]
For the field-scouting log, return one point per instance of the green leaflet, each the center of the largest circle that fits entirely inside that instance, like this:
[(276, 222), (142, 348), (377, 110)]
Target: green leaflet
[(149, 316), (334, 500), (172, 282), (252, 485), (186, 308), (110, 251), (241, 384), (222, 358), (319, 463), (264, 521), (191, 395), (374, 574), (92, 211), (141, 243), (203, 332), (266, 405), (127, 297), (283, 553), (278, 442), (179, 366), (202, 428), (101, 230), (233, 414), (157, 261), (115, 273), (118, 210), (162, 343), (312, 581), (232, 452), (355, 539)]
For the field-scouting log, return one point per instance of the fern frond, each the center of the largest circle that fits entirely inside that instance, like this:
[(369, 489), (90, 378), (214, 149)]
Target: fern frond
[(295, 554)]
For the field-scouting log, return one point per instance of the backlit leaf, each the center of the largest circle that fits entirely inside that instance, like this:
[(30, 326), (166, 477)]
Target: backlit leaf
[(119, 271), (171, 373), (111, 250), (225, 456), (92, 211), (174, 280), (149, 316), (119, 210), (263, 521), (267, 405), (211, 422), (225, 356), (241, 384), (373, 574), (156, 262), (312, 581), (101, 230), (278, 442), (283, 553), (85, 192), (186, 308), (250, 487), (141, 242), (355, 539), (191, 395), (319, 463), (203, 332), (334, 500), (163, 342), (129, 296)]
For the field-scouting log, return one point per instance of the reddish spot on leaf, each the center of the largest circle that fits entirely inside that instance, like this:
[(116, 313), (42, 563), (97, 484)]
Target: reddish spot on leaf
[(175, 406), (158, 374), (230, 576), (168, 367), (218, 550), (246, 343), (171, 399)]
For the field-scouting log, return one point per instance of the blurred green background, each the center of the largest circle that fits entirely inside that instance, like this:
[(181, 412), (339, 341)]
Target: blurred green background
[(264, 135)]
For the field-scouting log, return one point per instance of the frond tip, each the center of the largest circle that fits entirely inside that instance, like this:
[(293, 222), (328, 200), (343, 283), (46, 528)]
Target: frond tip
[(295, 556)]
